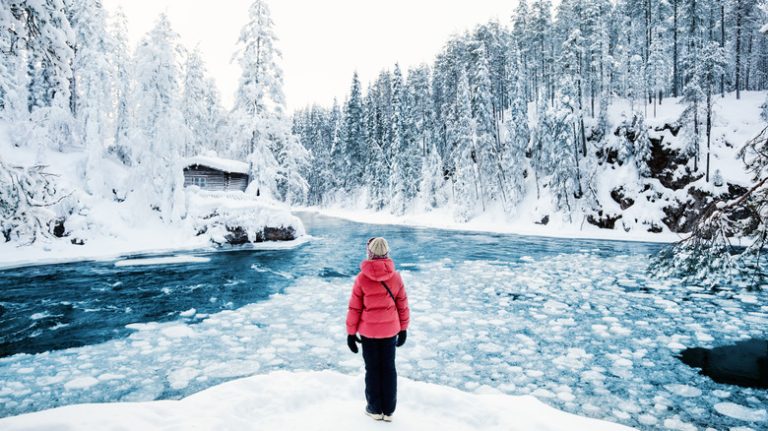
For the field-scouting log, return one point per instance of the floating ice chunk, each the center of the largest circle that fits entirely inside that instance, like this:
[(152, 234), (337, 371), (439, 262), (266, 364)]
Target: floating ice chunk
[(428, 364), (49, 380), (81, 382), (189, 313), (490, 348), (621, 415), (675, 423), (647, 419), (747, 298), (543, 393), (553, 305), (181, 377), (683, 390), (110, 376), (566, 396), (170, 260), (740, 412), (674, 345), (178, 331), (623, 362), (38, 316), (621, 330)]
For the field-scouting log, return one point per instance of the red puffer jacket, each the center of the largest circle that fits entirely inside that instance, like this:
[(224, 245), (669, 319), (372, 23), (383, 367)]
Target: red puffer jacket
[(372, 312)]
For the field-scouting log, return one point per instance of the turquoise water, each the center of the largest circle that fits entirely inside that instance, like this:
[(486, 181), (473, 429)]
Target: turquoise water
[(577, 323)]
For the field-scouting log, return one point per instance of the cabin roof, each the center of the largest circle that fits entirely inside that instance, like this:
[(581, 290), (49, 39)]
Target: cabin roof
[(224, 165)]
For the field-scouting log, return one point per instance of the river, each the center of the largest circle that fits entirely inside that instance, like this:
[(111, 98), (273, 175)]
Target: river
[(577, 323)]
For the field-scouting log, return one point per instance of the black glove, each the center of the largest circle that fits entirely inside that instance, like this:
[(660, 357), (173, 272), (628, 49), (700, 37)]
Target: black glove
[(352, 341), (401, 338)]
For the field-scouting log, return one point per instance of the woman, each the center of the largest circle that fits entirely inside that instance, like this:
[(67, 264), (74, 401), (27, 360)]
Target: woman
[(378, 310)]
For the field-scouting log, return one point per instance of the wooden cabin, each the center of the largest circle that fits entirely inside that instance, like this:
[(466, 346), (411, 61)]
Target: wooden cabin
[(216, 174)]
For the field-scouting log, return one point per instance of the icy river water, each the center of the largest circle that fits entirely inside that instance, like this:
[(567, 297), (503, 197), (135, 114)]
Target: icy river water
[(577, 323)]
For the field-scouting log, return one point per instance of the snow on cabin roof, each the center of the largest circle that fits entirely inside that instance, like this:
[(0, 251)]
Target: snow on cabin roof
[(226, 165)]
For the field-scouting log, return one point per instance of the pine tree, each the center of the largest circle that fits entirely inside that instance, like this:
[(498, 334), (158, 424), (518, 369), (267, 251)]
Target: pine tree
[(467, 181), (641, 144), (200, 106), (46, 34), (658, 69), (13, 73), (488, 151), (518, 138), (353, 139), (92, 96), (159, 131), (122, 88), (712, 66), (260, 131)]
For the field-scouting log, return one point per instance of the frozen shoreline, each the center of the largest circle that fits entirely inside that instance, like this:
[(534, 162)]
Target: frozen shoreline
[(106, 249), (319, 400), (439, 220), (16, 257)]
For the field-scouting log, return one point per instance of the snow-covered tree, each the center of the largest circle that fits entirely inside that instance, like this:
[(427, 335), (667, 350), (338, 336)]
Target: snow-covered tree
[(123, 82), (159, 130), (462, 132), (26, 197), (641, 144), (259, 129), (355, 151), (42, 30), (518, 138), (200, 106), (658, 69), (13, 71), (488, 151), (92, 96), (406, 148)]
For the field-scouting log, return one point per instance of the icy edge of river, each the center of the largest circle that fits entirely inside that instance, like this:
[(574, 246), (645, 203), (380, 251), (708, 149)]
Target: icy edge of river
[(20, 257), (442, 220)]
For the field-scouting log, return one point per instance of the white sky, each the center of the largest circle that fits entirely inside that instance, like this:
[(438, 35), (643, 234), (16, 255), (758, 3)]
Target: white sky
[(323, 41)]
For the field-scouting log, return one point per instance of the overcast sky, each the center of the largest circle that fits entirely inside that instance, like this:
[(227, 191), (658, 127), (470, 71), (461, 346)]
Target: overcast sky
[(323, 41)]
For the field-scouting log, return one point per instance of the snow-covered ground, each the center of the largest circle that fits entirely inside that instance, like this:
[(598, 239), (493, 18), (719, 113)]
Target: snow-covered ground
[(324, 400), (490, 222)]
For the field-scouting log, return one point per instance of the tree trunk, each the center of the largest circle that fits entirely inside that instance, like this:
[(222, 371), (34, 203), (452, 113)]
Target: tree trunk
[(709, 122), (722, 45), (675, 78), (738, 55), (747, 63)]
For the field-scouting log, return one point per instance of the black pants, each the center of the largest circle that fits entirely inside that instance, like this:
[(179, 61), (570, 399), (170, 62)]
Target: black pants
[(380, 374)]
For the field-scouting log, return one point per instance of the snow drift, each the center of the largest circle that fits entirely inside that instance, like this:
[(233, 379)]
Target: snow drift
[(322, 400)]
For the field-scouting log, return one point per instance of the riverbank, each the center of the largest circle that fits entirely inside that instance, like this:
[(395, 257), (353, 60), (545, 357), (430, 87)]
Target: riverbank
[(493, 223), (323, 400)]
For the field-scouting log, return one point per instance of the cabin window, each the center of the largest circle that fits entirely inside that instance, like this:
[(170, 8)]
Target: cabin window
[(199, 181)]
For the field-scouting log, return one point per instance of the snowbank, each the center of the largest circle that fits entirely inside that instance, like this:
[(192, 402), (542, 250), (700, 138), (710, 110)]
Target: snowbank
[(110, 229), (489, 222), (322, 400)]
